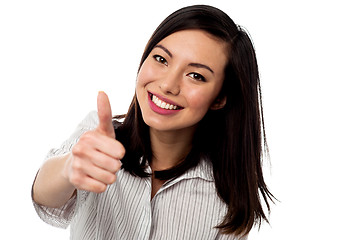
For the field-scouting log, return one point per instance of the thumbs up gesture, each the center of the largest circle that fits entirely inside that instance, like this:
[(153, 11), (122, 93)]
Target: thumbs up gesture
[(95, 159), (105, 116)]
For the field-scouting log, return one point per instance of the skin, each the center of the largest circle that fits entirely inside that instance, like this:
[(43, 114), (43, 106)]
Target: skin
[(174, 78), (186, 68), (91, 165)]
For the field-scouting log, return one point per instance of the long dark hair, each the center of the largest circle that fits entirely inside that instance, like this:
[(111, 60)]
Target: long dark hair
[(232, 138)]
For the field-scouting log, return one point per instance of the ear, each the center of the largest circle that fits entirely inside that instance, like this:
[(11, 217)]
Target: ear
[(219, 103)]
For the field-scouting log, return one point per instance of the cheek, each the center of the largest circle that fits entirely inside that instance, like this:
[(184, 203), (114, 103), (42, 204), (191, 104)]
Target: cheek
[(200, 99), (145, 74)]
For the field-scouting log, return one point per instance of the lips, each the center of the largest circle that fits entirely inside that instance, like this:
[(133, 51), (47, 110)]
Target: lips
[(162, 105)]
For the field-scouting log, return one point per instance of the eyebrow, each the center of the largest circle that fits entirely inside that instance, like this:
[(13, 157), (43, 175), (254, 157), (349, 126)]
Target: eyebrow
[(164, 49), (198, 65)]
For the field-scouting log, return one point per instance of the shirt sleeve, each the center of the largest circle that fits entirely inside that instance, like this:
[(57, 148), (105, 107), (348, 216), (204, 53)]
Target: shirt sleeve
[(230, 237), (61, 217)]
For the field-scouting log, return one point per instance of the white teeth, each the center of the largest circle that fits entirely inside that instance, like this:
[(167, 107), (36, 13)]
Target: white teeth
[(162, 104)]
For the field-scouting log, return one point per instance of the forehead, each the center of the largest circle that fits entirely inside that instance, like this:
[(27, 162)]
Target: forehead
[(197, 45)]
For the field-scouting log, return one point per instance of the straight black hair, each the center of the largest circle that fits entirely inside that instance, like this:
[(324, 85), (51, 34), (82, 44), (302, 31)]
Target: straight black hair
[(232, 138)]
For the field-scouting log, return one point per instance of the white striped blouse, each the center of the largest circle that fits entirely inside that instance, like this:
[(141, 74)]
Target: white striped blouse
[(185, 208)]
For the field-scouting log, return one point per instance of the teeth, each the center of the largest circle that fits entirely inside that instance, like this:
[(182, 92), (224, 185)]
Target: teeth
[(162, 104)]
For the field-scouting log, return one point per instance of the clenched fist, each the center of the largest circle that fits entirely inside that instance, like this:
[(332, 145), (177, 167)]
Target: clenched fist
[(95, 159)]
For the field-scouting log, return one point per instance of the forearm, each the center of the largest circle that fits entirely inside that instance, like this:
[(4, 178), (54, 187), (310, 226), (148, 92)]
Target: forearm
[(51, 187)]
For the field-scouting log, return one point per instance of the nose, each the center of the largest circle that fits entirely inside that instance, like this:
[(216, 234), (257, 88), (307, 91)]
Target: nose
[(171, 83)]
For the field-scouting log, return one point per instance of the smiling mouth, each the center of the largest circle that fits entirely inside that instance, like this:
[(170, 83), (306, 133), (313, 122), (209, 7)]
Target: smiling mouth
[(162, 104)]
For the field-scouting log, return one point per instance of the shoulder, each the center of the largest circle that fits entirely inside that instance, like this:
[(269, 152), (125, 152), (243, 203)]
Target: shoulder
[(90, 121)]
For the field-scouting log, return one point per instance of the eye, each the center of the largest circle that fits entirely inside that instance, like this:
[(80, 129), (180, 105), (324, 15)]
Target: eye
[(160, 59), (197, 77)]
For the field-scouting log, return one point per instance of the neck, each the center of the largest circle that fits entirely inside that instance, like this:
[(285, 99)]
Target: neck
[(169, 148)]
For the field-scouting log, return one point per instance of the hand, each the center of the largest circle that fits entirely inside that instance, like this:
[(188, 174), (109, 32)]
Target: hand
[(95, 159)]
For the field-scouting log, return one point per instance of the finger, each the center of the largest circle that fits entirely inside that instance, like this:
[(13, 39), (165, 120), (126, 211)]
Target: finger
[(105, 115), (93, 185), (94, 140), (99, 174), (88, 183), (105, 162)]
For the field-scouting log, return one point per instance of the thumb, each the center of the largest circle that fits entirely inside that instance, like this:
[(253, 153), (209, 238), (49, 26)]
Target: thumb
[(105, 115)]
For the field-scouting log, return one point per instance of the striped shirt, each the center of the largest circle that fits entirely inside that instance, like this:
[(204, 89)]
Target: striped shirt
[(185, 208)]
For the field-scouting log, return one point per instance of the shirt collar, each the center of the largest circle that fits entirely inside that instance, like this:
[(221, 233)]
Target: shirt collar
[(203, 170)]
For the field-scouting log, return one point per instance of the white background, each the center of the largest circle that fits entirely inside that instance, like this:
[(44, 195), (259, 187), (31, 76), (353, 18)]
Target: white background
[(56, 55)]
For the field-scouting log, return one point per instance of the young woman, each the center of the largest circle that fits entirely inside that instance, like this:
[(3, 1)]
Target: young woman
[(185, 161)]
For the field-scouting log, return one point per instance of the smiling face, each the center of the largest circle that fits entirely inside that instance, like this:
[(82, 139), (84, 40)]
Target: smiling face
[(180, 80)]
